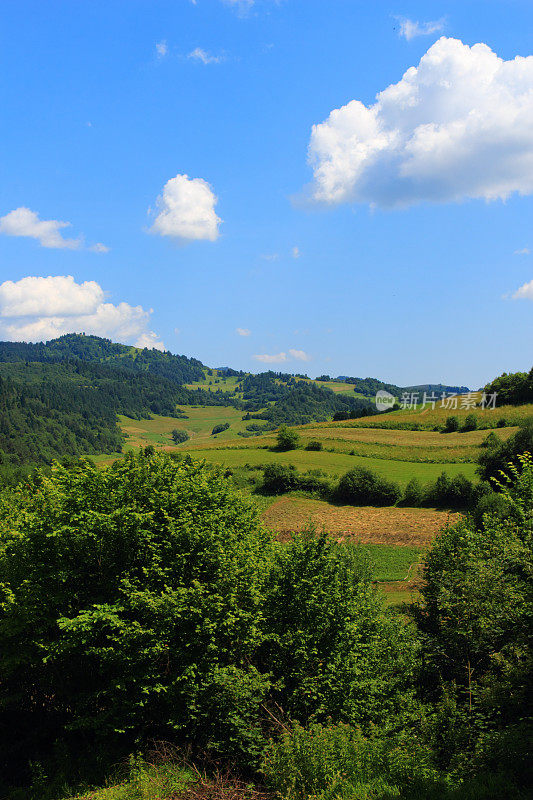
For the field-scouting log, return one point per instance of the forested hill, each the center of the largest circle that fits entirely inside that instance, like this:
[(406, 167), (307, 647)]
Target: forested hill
[(369, 386), (52, 410), (177, 369)]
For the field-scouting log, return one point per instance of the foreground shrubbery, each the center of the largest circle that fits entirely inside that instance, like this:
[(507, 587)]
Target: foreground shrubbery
[(131, 605), (333, 761), (496, 458), (146, 601)]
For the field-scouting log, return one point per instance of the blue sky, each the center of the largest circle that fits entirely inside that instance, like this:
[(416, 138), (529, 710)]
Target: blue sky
[(406, 279)]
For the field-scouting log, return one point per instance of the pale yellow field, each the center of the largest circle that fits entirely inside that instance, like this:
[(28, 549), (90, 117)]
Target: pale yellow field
[(390, 525)]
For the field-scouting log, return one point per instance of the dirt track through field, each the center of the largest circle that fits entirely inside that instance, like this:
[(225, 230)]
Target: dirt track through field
[(390, 525)]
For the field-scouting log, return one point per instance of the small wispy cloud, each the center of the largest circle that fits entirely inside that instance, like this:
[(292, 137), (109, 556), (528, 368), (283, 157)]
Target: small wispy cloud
[(270, 256), (525, 292), (242, 331), (275, 358), (300, 355), (203, 56), (240, 5), (99, 248), (525, 251), (161, 49), (410, 29), (295, 252), (280, 358)]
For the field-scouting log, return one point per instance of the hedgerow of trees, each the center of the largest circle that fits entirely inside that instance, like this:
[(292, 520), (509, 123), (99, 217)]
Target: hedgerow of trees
[(146, 601)]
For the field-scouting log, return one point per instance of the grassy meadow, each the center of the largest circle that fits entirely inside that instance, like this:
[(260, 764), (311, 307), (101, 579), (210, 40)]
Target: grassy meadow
[(332, 464), (399, 446)]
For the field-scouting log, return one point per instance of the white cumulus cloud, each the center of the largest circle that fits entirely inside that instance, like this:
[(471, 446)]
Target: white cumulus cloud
[(525, 292), (187, 210), (457, 126), (242, 331), (409, 29), (38, 309), (52, 296), (25, 222)]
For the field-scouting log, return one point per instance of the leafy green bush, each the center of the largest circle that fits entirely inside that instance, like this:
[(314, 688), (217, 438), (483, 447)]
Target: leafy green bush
[(475, 622), (220, 428), (492, 440), (470, 423), (330, 650), (456, 492), (287, 439), (179, 436), (495, 459), (130, 608), (279, 478), (337, 761), (451, 425), (361, 486), (494, 504), (314, 481), (314, 445), (414, 493)]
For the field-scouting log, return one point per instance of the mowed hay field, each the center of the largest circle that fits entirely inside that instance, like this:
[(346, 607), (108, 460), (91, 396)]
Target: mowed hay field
[(403, 445), (414, 527)]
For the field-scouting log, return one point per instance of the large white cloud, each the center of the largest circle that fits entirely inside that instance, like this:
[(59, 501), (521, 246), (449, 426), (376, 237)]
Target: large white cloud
[(36, 309), (25, 222), (458, 126), (187, 210), (52, 296)]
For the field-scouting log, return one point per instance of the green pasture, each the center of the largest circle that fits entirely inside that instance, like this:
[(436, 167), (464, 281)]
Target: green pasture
[(392, 563), (333, 464), (201, 421), (212, 383)]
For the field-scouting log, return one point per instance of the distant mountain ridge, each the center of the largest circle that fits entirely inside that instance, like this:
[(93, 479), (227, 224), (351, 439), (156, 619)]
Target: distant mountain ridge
[(177, 369), (369, 386)]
